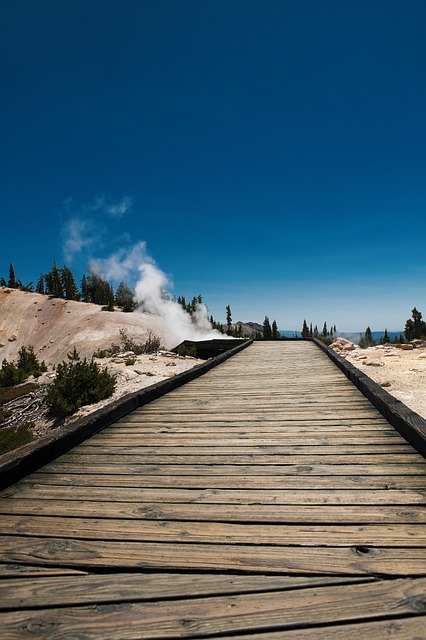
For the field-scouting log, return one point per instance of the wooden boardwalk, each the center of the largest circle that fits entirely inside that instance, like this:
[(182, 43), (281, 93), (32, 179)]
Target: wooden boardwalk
[(267, 500)]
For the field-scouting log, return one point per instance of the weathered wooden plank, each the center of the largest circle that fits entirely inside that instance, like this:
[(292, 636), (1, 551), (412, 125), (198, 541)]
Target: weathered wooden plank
[(196, 449), (212, 557), (230, 614), (31, 490), (220, 459), (355, 483), (248, 440), (384, 535), (304, 514), (397, 628), (27, 571), (127, 587), (299, 470)]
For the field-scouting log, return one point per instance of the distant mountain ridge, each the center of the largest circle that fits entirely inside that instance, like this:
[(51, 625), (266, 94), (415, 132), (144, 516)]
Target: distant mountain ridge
[(353, 336)]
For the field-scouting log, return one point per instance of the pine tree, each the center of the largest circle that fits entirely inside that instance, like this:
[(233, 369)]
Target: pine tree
[(305, 330), (228, 319), (12, 283), (366, 340), (85, 289), (324, 330), (275, 332), (40, 284), (3, 282), (69, 287), (53, 284), (385, 339), (124, 297), (311, 333), (315, 334), (267, 330)]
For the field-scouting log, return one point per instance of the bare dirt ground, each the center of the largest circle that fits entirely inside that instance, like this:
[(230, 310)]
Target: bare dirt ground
[(401, 372), (54, 326)]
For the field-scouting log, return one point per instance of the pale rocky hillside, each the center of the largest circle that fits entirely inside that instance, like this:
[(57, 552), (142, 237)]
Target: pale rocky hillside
[(54, 326)]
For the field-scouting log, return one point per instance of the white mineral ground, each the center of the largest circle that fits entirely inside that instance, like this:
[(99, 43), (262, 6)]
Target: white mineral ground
[(400, 371)]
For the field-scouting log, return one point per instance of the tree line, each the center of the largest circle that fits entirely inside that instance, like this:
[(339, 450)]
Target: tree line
[(60, 283)]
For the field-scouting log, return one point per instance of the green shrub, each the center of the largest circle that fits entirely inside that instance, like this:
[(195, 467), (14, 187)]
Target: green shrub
[(152, 344), (183, 350), (78, 383), (13, 437), (29, 364), (12, 373)]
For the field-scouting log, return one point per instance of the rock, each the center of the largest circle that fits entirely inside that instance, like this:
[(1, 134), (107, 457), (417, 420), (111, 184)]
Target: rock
[(170, 374), (1, 344), (13, 338), (373, 363), (385, 383), (341, 344), (407, 347)]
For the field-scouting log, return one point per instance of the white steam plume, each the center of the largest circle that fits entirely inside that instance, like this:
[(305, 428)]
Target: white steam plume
[(171, 320)]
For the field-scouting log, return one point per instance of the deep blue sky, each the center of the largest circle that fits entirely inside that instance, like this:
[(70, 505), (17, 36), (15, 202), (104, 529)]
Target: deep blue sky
[(272, 155)]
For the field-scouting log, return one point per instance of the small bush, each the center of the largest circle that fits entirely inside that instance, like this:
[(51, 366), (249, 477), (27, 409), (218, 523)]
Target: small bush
[(107, 353), (183, 350), (13, 437), (29, 364), (152, 344), (12, 374), (77, 384), (130, 362)]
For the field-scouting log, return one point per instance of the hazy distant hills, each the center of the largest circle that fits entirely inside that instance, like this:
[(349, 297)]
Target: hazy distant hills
[(353, 336)]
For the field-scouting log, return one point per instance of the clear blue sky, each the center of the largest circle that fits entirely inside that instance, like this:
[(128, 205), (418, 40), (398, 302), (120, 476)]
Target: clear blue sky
[(272, 155)]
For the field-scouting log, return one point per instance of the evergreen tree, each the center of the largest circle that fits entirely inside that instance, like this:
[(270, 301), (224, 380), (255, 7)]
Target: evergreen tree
[(275, 332), (305, 330), (12, 282), (366, 340), (311, 333), (124, 297), (324, 330), (85, 289), (98, 289), (315, 334), (415, 327), (3, 282), (111, 300), (267, 330), (69, 287), (385, 339), (40, 284), (53, 284), (228, 320)]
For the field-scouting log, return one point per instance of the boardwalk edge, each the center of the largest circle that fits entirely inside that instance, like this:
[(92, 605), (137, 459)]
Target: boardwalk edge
[(23, 461), (406, 421)]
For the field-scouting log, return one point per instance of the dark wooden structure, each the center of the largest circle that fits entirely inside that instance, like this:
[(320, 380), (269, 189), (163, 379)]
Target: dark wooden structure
[(211, 348), (267, 499)]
